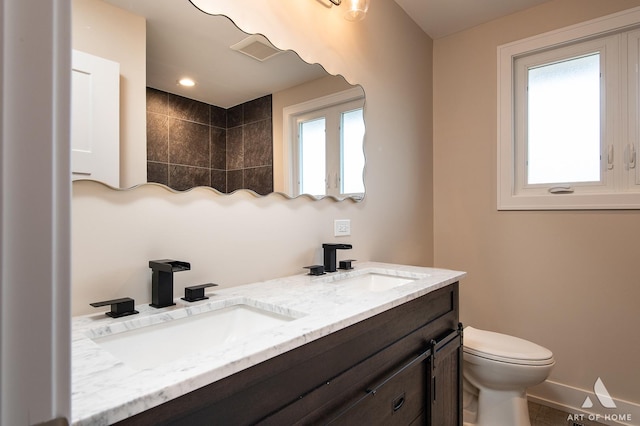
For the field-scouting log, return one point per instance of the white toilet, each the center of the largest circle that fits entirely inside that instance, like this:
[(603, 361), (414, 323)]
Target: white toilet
[(497, 370)]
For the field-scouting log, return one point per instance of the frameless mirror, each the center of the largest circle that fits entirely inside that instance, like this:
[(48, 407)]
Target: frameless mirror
[(257, 118)]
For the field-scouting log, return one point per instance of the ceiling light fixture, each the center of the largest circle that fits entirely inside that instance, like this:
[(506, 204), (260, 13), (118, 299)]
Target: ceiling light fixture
[(356, 9), (187, 82)]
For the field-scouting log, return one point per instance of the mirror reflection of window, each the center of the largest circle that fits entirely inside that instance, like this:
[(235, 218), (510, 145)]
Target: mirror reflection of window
[(352, 164), (330, 156), (312, 156)]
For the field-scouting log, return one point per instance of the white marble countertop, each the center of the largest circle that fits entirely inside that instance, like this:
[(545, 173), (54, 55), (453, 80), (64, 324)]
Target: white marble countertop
[(106, 389)]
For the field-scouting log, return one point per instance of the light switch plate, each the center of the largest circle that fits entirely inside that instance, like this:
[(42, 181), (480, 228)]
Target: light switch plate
[(342, 227)]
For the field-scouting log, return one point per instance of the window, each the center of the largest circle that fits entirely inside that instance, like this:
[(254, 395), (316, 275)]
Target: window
[(568, 118), (326, 146)]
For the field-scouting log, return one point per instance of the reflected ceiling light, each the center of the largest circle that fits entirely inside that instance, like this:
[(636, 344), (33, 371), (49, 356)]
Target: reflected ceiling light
[(187, 82), (355, 9)]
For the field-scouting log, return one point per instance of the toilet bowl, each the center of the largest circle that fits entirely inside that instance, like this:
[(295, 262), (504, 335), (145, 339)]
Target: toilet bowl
[(497, 370)]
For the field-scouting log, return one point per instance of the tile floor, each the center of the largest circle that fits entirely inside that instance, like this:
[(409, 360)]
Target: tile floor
[(541, 415)]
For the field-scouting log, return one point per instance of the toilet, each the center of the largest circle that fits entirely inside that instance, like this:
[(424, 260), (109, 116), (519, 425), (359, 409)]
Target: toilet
[(497, 370)]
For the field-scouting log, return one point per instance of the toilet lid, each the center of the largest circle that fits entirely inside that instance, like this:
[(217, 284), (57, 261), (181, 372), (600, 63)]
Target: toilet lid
[(505, 348)]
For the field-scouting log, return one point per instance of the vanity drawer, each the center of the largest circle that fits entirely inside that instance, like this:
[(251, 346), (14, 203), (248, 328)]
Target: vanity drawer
[(398, 402), (349, 398)]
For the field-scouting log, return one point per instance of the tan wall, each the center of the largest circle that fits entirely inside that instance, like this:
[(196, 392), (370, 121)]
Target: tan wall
[(115, 34), (239, 238), (566, 280)]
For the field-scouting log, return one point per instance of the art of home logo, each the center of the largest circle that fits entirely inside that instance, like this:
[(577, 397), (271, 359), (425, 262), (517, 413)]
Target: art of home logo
[(604, 398)]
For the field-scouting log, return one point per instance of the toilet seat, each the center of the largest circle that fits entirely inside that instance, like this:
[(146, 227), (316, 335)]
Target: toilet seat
[(505, 348)]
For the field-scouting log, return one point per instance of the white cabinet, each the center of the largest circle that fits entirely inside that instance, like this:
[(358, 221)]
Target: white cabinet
[(95, 119)]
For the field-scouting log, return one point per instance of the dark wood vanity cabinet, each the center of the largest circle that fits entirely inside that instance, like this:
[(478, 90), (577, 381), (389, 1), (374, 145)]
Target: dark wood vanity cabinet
[(400, 367), (422, 389)]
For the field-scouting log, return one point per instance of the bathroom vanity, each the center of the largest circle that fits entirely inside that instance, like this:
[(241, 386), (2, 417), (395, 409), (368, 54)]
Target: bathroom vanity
[(379, 344)]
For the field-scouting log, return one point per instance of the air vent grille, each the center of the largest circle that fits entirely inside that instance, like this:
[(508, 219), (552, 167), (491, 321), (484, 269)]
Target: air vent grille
[(257, 47)]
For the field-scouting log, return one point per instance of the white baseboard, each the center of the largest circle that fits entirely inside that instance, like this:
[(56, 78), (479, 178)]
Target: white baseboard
[(570, 400)]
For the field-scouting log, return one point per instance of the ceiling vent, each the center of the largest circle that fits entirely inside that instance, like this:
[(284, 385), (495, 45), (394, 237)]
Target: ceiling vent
[(256, 46)]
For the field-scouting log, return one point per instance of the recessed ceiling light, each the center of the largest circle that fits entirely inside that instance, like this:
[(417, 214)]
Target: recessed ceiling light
[(186, 82)]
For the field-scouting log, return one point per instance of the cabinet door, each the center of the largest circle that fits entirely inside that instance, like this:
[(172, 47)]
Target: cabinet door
[(444, 404), (95, 118)]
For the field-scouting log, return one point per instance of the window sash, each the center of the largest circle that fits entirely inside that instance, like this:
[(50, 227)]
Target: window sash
[(351, 151), (563, 141), (605, 48), (312, 150)]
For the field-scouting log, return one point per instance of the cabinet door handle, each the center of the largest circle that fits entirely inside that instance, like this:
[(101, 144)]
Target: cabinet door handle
[(432, 369)]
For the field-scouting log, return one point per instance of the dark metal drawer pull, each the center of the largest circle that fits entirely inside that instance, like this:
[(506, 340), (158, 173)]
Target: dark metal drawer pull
[(398, 402)]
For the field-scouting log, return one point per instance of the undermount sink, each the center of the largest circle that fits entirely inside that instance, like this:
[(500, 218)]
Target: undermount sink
[(144, 346), (374, 282)]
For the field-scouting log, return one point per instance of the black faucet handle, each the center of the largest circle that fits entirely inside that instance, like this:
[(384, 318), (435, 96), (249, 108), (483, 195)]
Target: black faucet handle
[(196, 292), (337, 246), (315, 269), (119, 307), (346, 264)]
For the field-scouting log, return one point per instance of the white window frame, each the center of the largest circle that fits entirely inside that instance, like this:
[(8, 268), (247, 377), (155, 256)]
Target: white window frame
[(619, 187), (290, 115)]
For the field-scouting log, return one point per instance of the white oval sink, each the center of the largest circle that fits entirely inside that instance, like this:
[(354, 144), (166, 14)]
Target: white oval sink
[(373, 282), (147, 346)]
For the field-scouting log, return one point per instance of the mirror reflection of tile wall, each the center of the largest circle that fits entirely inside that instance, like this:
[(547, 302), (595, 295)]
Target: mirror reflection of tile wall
[(191, 143)]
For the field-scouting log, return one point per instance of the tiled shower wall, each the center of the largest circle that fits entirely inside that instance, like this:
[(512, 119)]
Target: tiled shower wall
[(190, 143)]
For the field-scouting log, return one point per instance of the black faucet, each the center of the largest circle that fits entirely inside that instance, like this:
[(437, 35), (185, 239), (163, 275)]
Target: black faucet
[(162, 280), (330, 255)]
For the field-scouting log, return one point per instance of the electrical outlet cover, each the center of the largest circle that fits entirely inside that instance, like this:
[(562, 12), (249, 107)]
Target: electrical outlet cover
[(342, 227)]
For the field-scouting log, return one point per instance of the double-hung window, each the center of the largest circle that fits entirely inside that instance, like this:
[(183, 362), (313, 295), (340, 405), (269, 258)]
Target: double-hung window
[(568, 117)]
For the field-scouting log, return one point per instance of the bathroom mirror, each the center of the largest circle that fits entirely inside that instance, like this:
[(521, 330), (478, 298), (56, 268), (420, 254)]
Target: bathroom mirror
[(257, 116)]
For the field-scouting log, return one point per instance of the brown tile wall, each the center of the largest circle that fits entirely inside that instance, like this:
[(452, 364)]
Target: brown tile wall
[(190, 143)]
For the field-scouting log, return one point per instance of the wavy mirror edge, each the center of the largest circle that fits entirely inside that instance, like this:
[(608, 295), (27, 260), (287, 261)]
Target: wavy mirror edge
[(354, 199)]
